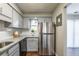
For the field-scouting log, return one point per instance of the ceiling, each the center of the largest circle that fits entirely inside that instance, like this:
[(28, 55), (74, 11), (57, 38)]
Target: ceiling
[(36, 7), (73, 8)]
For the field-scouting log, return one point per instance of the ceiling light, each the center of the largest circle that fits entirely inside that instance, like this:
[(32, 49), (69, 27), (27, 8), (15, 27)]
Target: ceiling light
[(35, 18)]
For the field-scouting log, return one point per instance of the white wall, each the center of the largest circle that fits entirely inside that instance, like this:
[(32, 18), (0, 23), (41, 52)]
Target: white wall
[(38, 14), (61, 30), (4, 35)]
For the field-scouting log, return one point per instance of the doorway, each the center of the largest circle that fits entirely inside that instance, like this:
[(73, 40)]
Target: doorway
[(72, 30)]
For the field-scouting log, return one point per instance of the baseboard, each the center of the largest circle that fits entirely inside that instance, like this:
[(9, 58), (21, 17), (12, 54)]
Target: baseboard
[(32, 51)]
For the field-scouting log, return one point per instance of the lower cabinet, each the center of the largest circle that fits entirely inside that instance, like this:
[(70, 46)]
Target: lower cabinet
[(29, 44), (24, 45), (13, 51), (4, 54), (32, 44)]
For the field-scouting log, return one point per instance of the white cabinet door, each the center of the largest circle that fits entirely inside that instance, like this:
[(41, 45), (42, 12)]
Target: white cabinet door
[(0, 8), (32, 44), (14, 51), (6, 10), (20, 21), (15, 22), (27, 23)]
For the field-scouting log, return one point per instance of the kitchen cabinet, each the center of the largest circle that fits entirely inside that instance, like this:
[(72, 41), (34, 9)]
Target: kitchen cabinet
[(0, 8), (6, 10), (4, 54), (32, 44), (13, 51), (23, 44), (29, 44), (20, 21), (26, 23), (7, 13), (17, 20)]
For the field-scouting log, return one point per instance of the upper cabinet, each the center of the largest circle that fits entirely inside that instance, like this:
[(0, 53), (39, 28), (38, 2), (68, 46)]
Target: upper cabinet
[(7, 10), (10, 14), (20, 21), (26, 23), (0, 8), (17, 20)]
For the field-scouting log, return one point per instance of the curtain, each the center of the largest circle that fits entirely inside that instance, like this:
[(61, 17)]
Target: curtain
[(73, 33)]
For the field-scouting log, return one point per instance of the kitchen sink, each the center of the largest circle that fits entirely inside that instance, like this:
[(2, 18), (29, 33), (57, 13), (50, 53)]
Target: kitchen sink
[(3, 44)]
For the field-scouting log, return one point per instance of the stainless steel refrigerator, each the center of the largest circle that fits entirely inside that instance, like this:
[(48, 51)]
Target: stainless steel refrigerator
[(46, 38)]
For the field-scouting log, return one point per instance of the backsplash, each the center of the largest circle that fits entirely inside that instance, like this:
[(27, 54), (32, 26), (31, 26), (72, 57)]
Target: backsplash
[(4, 35)]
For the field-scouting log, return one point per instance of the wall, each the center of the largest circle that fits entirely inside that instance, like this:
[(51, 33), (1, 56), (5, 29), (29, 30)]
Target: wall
[(4, 35), (61, 30), (38, 15)]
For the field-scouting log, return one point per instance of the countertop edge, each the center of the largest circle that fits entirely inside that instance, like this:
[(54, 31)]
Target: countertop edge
[(2, 50), (12, 44)]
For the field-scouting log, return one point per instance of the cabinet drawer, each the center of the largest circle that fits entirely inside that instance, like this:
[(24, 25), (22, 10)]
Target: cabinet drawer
[(13, 48)]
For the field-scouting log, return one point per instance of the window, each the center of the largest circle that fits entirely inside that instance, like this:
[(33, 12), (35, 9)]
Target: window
[(73, 33), (70, 32), (34, 25)]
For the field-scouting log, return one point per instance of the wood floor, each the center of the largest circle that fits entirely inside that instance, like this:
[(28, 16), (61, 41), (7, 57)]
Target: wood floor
[(30, 53), (36, 53)]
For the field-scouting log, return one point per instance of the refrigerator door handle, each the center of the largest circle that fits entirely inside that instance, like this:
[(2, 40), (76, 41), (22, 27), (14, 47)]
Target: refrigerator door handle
[(48, 33)]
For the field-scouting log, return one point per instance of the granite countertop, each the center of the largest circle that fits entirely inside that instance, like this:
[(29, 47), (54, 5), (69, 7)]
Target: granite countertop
[(14, 41)]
